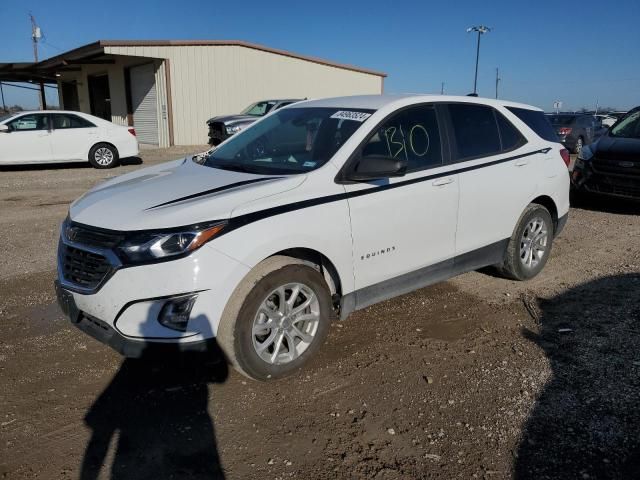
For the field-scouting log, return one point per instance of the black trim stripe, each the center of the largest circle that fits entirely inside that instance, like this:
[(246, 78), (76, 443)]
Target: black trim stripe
[(214, 191), (246, 219)]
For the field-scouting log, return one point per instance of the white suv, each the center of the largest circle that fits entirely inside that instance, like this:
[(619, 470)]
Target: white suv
[(319, 209)]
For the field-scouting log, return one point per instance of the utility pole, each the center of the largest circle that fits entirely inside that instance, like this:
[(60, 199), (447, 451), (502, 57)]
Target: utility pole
[(36, 35), (481, 29), (497, 80), (442, 88)]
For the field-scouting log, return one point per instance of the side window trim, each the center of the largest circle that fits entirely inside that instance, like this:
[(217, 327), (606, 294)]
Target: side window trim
[(444, 145)]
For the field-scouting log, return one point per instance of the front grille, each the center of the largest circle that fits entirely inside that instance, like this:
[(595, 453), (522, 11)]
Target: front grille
[(217, 131), (614, 167), (92, 236), (82, 268)]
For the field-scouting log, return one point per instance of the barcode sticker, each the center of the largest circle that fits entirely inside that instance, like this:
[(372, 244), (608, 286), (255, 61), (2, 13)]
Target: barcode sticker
[(348, 115)]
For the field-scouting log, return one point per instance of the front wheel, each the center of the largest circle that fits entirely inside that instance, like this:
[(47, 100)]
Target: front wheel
[(277, 319), (103, 155), (530, 245)]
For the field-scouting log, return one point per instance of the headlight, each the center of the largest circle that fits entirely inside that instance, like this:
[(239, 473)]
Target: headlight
[(149, 246), (234, 129), (586, 153)]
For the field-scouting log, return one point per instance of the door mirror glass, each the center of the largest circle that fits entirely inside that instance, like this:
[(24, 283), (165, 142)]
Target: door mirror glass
[(376, 167), (4, 129)]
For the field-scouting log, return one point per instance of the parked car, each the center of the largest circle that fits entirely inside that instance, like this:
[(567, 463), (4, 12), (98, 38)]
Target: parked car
[(320, 209), (575, 129), (611, 166), (607, 120), (222, 127), (64, 136)]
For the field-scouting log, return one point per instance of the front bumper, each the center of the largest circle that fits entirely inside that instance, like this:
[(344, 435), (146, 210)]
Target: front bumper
[(123, 313), (105, 333), (587, 177)]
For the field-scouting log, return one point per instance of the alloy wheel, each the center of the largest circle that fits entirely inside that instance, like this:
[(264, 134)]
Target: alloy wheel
[(103, 156), (533, 243), (286, 323)]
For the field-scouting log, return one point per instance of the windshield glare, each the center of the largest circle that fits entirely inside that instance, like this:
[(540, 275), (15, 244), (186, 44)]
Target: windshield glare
[(259, 109), (629, 127), (290, 141)]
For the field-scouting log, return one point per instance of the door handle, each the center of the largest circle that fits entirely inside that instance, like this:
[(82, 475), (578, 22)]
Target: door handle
[(522, 163), (439, 182)]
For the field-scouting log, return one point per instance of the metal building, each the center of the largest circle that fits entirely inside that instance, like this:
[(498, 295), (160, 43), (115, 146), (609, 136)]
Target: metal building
[(168, 89)]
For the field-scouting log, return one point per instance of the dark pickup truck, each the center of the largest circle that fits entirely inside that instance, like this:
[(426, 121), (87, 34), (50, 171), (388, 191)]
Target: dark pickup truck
[(223, 126)]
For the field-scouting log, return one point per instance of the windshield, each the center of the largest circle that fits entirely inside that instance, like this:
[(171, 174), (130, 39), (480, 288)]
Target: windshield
[(259, 109), (561, 119), (292, 140), (629, 127)]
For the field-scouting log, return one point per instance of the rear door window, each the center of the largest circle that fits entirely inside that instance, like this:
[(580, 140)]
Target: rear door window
[(536, 121), (475, 131), (65, 120)]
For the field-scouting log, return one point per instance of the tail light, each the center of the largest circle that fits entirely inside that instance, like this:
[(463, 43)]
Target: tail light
[(566, 158), (132, 131), (564, 131)]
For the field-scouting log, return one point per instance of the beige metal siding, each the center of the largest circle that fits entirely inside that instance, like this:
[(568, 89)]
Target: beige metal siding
[(215, 80)]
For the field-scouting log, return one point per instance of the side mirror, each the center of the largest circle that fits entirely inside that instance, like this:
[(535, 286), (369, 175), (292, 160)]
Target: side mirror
[(4, 129), (376, 167)]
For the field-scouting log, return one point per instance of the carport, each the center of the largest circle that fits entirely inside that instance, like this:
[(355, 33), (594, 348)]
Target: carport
[(119, 88)]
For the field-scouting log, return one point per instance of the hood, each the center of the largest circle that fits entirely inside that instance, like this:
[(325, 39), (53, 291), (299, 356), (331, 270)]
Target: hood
[(174, 194), (229, 120), (614, 148)]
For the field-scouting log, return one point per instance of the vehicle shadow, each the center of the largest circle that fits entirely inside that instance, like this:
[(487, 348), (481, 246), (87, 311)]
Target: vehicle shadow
[(585, 423), (155, 411), (605, 204), (64, 165)]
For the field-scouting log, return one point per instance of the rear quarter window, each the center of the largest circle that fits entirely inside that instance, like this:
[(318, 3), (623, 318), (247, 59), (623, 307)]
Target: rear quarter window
[(536, 121)]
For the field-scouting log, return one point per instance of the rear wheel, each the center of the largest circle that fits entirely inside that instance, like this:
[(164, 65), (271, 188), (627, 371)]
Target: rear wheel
[(103, 155), (530, 245), (277, 319)]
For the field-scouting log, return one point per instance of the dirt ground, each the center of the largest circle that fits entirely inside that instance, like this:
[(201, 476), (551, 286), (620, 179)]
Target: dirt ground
[(478, 377)]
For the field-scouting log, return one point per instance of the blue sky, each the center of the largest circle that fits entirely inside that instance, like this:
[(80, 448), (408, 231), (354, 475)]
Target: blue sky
[(579, 52)]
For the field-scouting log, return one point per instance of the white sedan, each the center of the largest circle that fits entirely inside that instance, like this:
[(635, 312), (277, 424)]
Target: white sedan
[(63, 136)]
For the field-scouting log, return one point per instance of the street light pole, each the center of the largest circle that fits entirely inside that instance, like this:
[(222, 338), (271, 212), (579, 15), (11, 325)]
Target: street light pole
[(481, 29)]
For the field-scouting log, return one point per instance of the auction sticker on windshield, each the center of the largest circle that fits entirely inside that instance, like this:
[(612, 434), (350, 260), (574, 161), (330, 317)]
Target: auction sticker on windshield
[(348, 115)]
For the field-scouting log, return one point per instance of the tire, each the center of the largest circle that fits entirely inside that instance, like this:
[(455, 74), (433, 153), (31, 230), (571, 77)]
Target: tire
[(103, 155), (250, 347), (521, 262), (579, 145)]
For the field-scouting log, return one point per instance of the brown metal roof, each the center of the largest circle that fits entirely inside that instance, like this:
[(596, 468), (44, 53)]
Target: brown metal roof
[(92, 52), (235, 43)]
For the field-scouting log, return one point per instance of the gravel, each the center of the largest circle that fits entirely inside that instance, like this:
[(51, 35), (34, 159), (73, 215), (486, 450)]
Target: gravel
[(477, 377)]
